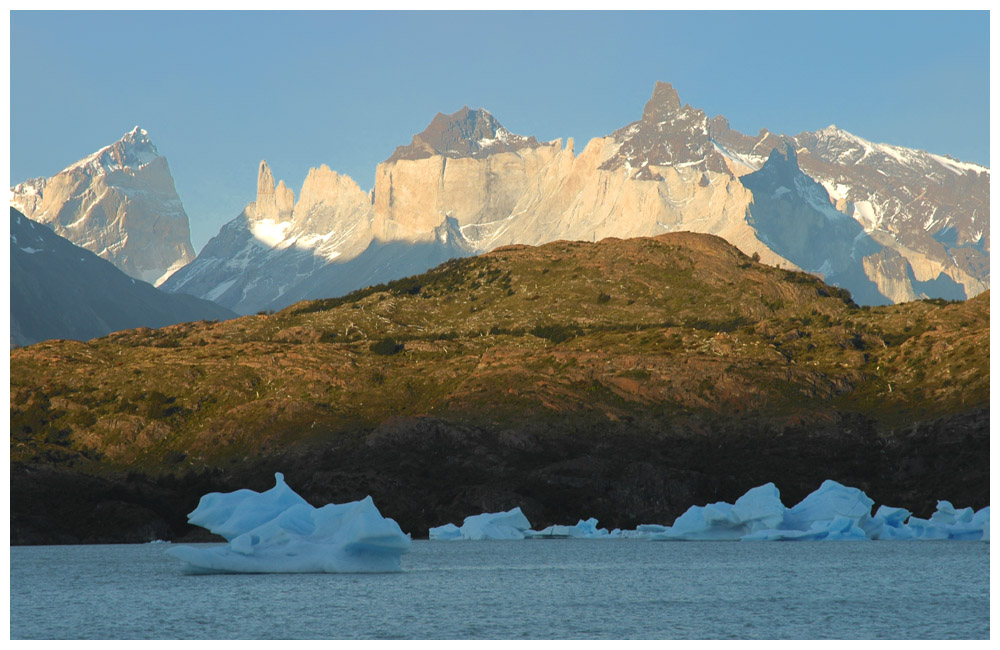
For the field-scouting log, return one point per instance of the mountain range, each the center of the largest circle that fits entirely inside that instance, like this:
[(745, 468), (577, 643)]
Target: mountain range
[(888, 223)]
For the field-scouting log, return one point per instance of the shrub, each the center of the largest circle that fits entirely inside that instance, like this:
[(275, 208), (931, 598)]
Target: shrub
[(556, 333), (387, 347)]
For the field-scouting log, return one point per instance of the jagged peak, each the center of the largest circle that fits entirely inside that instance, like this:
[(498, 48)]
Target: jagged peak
[(131, 151), (265, 180), (466, 133), (664, 102)]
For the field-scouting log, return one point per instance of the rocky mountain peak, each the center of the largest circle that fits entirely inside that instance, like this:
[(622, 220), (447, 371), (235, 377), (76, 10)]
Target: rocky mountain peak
[(667, 134), (119, 203), (466, 133), (132, 151), (780, 169), (664, 103), (265, 180), (273, 203)]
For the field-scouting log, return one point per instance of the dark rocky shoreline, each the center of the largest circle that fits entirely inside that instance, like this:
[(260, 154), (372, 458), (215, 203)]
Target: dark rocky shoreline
[(424, 472)]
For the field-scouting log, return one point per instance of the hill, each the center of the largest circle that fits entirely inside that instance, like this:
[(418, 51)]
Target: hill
[(622, 379)]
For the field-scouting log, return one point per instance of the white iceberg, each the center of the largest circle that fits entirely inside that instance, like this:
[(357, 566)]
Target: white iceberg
[(499, 525), (888, 523), (277, 531)]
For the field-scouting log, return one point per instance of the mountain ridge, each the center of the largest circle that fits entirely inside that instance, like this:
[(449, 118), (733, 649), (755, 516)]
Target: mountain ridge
[(673, 169), (62, 291)]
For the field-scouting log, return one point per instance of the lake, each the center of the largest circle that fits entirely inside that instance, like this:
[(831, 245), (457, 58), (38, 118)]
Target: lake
[(532, 589)]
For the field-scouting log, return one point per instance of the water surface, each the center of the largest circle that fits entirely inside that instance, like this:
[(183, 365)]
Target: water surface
[(532, 589)]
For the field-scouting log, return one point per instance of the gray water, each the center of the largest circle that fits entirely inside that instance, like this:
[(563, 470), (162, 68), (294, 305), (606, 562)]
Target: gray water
[(533, 589)]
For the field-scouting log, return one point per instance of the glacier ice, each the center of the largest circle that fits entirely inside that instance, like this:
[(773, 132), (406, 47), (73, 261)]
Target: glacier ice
[(497, 525), (277, 531), (584, 529), (758, 509), (834, 512)]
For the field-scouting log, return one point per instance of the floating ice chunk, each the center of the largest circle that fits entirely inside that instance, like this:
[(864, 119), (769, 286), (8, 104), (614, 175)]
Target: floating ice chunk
[(500, 525), (947, 522), (582, 529), (840, 528), (758, 509), (830, 501), (947, 514), (277, 531), (888, 523), (234, 513), (489, 525), (448, 531)]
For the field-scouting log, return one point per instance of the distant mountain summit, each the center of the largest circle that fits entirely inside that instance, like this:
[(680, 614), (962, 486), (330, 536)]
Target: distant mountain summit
[(61, 291), (466, 133), (119, 203), (667, 134)]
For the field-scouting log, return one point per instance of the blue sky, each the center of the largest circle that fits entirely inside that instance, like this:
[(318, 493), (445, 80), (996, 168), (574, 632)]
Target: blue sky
[(220, 91)]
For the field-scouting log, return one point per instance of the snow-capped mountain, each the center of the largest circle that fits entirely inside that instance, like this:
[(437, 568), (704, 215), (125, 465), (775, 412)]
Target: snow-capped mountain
[(932, 210), (61, 291), (119, 203), (888, 223)]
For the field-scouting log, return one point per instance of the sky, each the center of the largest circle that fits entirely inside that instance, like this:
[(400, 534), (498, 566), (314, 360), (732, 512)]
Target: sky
[(220, 91)]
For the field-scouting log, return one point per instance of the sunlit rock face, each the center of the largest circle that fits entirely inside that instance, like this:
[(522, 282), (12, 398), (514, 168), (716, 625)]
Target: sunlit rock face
[(887, 223), (258, 259), (119, 203)]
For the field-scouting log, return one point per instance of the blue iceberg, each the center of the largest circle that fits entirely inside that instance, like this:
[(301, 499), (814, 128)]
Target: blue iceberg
[(834, 512), (757, 510), (584, 529), (277, 531), (498, 525)]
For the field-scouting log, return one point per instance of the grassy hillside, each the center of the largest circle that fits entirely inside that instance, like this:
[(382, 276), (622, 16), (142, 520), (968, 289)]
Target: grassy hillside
[(674, 356)]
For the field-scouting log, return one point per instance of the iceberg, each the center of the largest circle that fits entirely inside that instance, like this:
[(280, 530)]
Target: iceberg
[(830, 501), (277, 531), (448, 531), (947, 522), (582, 530), (834, 512), (759, 509), (499, 525)]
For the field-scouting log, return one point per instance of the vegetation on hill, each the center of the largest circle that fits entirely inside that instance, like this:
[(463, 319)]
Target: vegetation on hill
[(626, 379)]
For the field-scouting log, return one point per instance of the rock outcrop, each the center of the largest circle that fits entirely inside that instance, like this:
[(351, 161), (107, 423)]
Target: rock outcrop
[(119, 203)]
